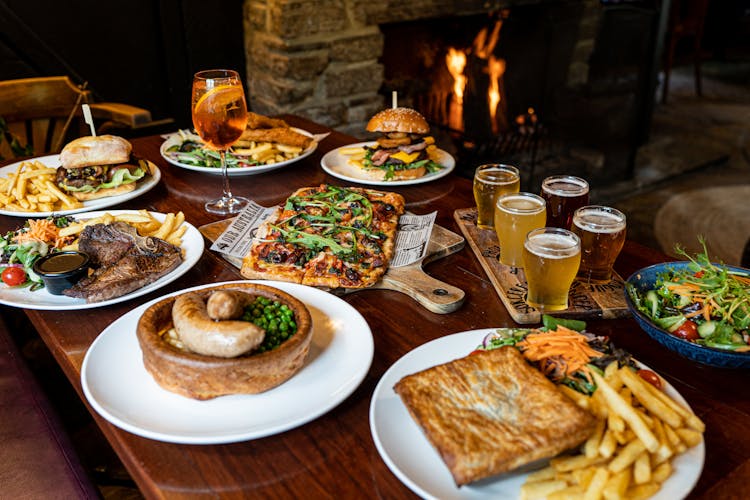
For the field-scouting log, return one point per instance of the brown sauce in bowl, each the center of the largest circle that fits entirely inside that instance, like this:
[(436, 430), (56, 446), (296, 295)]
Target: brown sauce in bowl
[(62, 263)]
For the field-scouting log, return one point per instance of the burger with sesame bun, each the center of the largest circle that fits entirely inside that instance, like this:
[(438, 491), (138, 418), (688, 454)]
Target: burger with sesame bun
[(404, 151), (98, 166)]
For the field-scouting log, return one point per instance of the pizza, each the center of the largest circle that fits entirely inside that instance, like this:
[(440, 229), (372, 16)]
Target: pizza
[(327, 236)]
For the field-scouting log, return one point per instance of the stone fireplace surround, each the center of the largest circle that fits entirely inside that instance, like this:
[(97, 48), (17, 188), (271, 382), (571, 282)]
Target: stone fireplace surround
[(320, 58)]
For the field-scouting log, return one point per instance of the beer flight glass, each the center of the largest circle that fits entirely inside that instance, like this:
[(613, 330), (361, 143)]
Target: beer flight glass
[(564, 194), (515, 215), (551, 257), (490, 181), (219, 115), (602, 233)]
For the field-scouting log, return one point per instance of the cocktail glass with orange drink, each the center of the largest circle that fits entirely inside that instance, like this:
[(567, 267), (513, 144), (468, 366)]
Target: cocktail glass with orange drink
[(219, 116)]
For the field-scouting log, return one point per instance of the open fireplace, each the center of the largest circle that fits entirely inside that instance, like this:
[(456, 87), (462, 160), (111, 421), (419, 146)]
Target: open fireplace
[(551, 85)]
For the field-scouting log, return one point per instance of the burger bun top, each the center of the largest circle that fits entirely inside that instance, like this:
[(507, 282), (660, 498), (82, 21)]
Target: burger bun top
[(95, 150), (404, 120)]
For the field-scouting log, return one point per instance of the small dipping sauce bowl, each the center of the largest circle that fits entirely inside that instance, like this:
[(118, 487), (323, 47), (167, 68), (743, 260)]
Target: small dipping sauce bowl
[(61, 270)]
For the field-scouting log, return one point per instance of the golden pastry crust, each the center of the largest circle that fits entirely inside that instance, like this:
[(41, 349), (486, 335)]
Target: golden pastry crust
[(492, 412)]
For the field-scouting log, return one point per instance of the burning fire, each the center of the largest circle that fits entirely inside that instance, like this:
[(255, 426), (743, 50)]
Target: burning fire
[(482, 49), (455, 60), (496, 69)]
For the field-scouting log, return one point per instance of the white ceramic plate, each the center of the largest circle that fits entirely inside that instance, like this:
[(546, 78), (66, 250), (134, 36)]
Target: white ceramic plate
[(175, 138), (54, 162), (192, 243), (337, 165), (409, 455), (122, 391)]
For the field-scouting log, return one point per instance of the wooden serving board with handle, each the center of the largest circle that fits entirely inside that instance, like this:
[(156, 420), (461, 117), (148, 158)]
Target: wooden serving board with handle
[(435, 295), (586, 301)]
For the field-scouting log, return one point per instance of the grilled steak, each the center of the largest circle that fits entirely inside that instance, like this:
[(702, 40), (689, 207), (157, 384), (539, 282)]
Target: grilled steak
[(127, 261), (107, 243)]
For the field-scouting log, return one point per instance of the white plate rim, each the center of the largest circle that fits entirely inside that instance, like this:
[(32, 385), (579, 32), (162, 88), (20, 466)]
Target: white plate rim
[(192, 243), (332, 159), (364, 349), (99, 203), (236, 172), (674, 487)]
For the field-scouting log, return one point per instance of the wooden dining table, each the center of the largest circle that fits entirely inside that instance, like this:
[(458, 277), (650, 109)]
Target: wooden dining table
[(334, 455)]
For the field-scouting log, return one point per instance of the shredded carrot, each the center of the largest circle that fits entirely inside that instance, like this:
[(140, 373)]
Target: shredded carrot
[(683, 287), (43, 230), (696, 313), (560, 352)]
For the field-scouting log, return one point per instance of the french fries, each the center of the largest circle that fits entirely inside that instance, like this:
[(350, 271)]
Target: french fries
[(640, 429), (31, 188), (171, 229), (267, 153)]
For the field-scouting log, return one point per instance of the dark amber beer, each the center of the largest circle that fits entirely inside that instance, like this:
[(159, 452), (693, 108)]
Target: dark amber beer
[(550, 261), (564, 194), (602, 232)]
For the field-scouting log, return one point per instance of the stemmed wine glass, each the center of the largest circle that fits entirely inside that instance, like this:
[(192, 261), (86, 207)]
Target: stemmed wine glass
[(219, 117)]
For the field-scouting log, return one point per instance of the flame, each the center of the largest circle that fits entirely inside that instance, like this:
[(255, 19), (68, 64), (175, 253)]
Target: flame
[(482, 48), (455, 60), (496, 69)]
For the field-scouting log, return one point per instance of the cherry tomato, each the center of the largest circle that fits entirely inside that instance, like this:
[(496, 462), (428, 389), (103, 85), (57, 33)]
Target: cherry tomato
[(699, 274), (476, 351), (688, 331), (13, 276), (651, 377)]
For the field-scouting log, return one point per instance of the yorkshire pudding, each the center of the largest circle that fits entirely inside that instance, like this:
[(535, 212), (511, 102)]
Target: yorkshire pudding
[(204, 377)]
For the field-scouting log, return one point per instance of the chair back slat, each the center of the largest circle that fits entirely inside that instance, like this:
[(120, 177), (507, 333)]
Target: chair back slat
[(42, 106), (40, 129), (46, 113), (30, 98)]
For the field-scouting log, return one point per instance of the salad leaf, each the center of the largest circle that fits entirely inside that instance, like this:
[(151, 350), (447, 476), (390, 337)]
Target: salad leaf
[(711, 295)]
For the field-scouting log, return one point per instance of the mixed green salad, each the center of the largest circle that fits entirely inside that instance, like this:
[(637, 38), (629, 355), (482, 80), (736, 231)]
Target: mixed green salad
[(705, 303), (21, 248), (191, 150), (563, 351)]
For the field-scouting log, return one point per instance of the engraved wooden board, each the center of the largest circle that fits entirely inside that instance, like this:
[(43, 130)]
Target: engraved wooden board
[(435, 295), (586, 301)]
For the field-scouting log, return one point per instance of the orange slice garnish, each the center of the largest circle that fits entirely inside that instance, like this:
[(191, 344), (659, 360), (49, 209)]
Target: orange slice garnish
[(219, 98)]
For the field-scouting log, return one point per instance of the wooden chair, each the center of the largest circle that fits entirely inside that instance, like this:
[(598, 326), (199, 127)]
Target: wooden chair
[(45, 113), (686, 20)]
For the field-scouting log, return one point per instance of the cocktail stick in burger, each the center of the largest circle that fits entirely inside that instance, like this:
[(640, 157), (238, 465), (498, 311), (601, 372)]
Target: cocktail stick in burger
[(99, 166), (403, 152)]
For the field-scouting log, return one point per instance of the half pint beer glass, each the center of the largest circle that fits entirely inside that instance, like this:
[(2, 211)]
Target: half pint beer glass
[(602, 233), (515, 215), (564, 194), (551, 257), (490, 181)]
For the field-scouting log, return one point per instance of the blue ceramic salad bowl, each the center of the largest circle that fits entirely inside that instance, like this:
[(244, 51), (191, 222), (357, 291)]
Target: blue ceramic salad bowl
[(642, 281)]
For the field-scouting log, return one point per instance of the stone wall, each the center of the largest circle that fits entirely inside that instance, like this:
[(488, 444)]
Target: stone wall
[(320, 58)]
